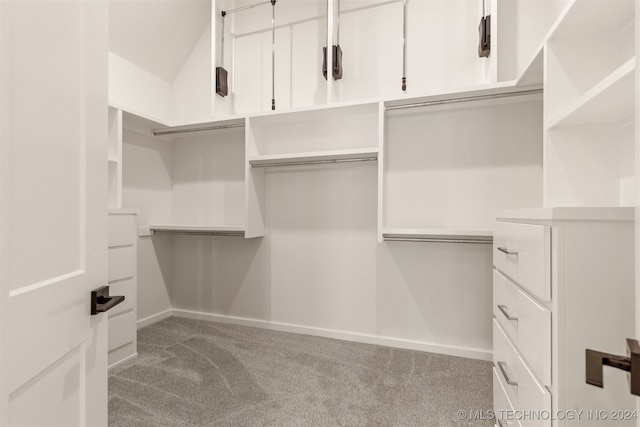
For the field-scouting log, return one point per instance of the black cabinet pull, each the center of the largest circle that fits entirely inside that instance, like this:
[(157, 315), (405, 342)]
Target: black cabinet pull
[(101, 301)]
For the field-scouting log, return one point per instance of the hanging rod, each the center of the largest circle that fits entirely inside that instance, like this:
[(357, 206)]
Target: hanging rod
[(466, 99), (437, 240), (159, 132), (312, 162), (239, 9), (201, 233)]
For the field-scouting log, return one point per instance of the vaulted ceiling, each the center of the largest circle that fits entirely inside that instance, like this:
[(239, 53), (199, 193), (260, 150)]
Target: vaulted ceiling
[(157, 35)]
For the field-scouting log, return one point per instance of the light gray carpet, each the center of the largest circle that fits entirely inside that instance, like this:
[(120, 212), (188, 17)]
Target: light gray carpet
[(196, 373)]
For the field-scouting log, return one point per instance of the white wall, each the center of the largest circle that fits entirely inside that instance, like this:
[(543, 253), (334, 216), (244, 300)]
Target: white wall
[(319, 270), (138, 91), (191, 90), (147, 184)]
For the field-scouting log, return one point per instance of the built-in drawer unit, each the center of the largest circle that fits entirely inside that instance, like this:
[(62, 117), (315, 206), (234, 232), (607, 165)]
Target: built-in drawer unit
[(526, 322), (523, 253), (563, 282), (122, 280)]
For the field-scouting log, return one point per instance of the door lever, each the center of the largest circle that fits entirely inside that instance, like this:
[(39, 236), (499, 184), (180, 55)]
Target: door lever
[(596, 360), (101, 301)]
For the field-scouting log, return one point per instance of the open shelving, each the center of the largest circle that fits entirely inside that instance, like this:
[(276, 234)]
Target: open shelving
[(114, 158), (442, 181), (610, 100), (589, 113)]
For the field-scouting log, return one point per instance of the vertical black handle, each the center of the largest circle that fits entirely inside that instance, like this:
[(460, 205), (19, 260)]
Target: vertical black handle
[(101, 301), (596, 360)]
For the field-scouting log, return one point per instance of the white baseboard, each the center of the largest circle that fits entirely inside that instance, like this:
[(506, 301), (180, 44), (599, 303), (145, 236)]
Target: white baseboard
[(471, 353), (154, 318), (120, 362)]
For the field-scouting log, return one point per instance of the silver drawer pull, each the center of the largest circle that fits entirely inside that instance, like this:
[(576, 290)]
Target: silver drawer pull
[(507, 250), (501, 365), (503, 309)]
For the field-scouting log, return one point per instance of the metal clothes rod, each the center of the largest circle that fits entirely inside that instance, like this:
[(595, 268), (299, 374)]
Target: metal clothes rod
[(313, 162), (465, 99), (436, 240), (159, 132), (201, 233), (239, 9)]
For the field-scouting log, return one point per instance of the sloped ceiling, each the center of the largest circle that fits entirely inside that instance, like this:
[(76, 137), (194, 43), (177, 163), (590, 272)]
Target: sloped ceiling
[(157, 35)]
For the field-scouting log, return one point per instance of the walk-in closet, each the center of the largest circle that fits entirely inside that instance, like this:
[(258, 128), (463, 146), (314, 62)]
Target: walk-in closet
[(377, 195)]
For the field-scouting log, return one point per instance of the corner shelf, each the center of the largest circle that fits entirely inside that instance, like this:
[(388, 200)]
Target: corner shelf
[(318, 157), (608, 101), (202, 230)]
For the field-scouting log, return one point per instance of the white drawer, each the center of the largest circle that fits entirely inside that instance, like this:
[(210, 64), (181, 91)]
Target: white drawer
[(502, 407), (121, 230), (523, 390), (121, 264), (122, 330), (523, 252), (526, 322), (127, 288)]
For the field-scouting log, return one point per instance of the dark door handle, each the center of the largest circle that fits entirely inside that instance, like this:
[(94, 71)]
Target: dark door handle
[(595, 360), (101, 301)]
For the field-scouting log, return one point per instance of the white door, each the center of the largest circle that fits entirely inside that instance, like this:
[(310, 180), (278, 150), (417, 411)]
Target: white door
[(53, 188), (637, 145)]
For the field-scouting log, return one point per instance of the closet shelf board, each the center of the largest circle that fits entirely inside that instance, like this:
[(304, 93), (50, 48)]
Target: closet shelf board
[(222, 230), (610, 100), (439, 233)]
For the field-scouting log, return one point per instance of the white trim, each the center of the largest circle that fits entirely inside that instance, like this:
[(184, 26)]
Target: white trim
[(154, 318), (471, 353), (126, 359)]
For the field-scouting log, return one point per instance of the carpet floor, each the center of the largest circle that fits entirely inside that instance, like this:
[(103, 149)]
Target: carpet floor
[(198, 373)]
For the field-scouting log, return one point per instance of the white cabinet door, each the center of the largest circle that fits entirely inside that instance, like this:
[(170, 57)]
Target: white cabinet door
[(53, 220)]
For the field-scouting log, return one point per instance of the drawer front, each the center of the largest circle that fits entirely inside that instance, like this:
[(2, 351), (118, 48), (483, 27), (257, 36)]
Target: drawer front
[(526, 322), (522, 389), (502, 407), (505, 304), (121, 230), (121, 264), (122, 330), (126, 288), (505, 359), (523, 252)]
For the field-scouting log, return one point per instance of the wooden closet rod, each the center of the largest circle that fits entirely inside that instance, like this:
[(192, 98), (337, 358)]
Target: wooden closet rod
[(465, 99), (170, 131), (312, 162)]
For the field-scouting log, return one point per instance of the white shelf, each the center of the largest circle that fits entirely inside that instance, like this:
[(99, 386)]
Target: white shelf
[(459, 94), (333, 156), (230, 124), (569, 213), (209, 230), (608, 101), (533, 74), (462, 235), (583, 17)]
